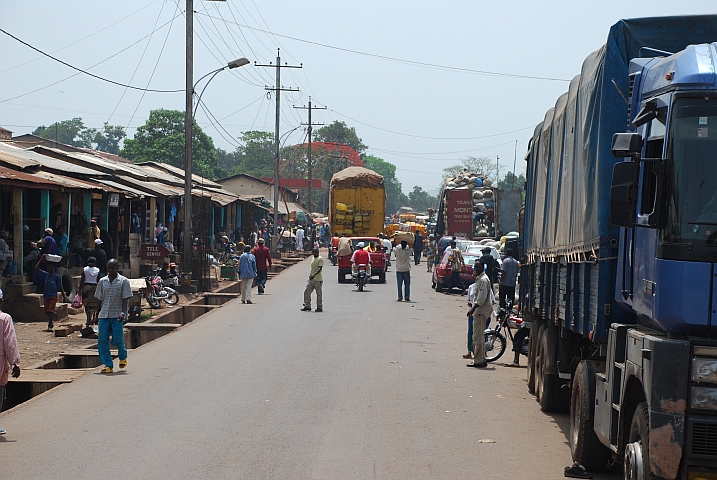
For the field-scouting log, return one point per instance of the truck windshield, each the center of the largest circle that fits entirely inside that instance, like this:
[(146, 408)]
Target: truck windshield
[(692, 178)]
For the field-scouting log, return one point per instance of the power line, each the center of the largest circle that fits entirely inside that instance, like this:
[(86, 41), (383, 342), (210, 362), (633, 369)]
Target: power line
[(83, 71), (84, 38), (411, 62)]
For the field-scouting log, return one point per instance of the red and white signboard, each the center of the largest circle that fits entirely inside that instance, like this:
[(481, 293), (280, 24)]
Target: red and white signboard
[(154, 251), (460, 213)]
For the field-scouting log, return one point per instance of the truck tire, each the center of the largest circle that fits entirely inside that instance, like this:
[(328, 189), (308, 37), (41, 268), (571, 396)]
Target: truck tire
[(551, 396), (584, 444), (637, 450), (532, 342), (537, 352), (68, 283), (439, 285), (342, 277), (382, 277)]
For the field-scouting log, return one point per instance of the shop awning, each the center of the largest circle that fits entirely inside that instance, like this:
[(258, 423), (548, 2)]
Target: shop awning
[(128, 191)]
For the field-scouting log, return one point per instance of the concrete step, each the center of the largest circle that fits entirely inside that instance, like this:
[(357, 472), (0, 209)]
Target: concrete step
[(18, 289)]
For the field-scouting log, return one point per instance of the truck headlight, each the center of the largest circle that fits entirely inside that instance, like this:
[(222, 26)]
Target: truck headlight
[(704, 370), (703, 398)]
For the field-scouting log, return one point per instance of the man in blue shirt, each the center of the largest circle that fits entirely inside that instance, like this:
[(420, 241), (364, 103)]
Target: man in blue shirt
[(508, 277), (51, 284), (247, 272)]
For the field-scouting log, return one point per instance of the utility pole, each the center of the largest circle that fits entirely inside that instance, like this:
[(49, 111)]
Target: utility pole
[(277, 93), (188, 109), (308, 154)]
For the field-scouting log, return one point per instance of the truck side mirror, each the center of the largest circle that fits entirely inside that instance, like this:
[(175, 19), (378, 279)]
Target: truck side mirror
[(626, 145), (623, 194)]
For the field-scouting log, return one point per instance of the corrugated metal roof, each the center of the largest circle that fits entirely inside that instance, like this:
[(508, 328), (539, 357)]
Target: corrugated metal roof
[(180, 173), (22, 179), (128, 191), (17, 157), (69, 182), (51, 163)]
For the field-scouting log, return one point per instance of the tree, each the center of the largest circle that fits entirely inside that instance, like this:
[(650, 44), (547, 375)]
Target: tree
[(70, 132), (512, 181), (395, 198), (420, 200), (484, 165), (256, 154), (161, 139), (108, 138), (339, 132)]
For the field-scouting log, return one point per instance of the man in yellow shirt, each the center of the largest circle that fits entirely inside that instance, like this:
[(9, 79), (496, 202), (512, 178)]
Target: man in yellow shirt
[(314, 283), (93, 233)]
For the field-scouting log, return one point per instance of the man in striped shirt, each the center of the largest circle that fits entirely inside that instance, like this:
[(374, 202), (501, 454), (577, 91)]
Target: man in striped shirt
[(114, 292)]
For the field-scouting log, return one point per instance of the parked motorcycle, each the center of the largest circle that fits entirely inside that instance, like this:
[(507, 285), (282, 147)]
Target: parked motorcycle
[(156, 291), (495, 338), (360, 276)]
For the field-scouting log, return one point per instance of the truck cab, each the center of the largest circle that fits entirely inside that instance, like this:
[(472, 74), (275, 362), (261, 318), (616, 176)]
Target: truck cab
[(377, 256)]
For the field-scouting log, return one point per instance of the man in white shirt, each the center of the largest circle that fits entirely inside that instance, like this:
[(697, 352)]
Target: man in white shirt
[(480, 311), (403, 269), (299, 238), (114, 292)]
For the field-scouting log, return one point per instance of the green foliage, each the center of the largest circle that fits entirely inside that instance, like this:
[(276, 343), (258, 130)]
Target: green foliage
[(511, 181), (395, 198), (420, 200), (256, 154), (339, 132), (108, 138), (70, 132), (161, 139)]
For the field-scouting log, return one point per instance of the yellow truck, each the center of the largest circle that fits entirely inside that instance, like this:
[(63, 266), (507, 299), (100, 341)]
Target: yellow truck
[(357, 202)]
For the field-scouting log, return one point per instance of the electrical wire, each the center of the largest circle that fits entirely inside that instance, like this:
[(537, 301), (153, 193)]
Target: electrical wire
[(216, 122), (93, 66), (154, 70), (412, 62), (83, 38), (149, 40), (85, 71)]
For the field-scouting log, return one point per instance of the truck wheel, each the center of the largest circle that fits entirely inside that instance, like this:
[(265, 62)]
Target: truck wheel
[(439, 286), (537, 353), (382, 277), (637, 451), (584, 444), (532, 342), (551, 396), (342, 277)]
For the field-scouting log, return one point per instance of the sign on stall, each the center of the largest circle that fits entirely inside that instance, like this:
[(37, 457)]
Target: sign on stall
[(154, 251)]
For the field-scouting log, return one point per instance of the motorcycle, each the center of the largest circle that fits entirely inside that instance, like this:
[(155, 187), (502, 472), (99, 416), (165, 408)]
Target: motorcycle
[(228, 252), (495, 338), (156, 291), (360, 276)]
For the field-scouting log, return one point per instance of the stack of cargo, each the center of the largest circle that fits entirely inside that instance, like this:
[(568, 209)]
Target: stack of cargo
[(357, 202), (483, 201)]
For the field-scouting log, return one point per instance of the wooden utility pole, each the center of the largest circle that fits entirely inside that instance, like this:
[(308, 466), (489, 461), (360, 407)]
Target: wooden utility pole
[(277, 93), (308, 153)]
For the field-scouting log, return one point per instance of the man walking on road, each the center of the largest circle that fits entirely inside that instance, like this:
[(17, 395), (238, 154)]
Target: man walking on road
[(247, 272), (9, 353), (480, 311), (114, 292), (314, 283), (263, 262), (418, 247), (403, 269), (509, 274)]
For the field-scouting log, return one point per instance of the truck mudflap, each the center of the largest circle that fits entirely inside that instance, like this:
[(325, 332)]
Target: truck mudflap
[(667, 437)]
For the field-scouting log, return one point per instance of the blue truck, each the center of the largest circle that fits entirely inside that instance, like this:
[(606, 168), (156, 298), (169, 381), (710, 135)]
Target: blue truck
[(619, 265)]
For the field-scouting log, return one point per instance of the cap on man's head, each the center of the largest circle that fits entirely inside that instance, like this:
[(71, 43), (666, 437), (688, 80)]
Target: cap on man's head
[(261, 240), (94, 220), (360, 245), (49, 231), (486, 250), (98, 241)]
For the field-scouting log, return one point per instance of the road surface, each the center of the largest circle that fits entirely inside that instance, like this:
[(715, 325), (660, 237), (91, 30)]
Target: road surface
[(370, 388)]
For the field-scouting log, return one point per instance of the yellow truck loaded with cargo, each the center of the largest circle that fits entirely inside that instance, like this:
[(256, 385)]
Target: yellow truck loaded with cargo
[(357, 202)]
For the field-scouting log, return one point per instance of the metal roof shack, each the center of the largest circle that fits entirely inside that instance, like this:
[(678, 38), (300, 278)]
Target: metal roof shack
[(17, 157), (180, 173), (16, 178)]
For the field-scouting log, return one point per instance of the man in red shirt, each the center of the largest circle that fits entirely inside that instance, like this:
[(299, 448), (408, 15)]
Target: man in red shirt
[(263, 262), (361, 257)]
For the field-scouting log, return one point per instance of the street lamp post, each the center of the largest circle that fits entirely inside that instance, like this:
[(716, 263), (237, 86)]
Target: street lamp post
[(188, 124)]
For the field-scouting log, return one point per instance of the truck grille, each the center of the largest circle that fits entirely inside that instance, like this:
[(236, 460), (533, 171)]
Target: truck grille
[(704, 439)]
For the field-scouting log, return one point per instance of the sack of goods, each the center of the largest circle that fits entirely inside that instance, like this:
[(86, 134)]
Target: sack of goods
[(341, 207)]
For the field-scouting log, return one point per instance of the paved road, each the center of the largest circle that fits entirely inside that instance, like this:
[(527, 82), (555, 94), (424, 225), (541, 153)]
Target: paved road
[(369, 388)]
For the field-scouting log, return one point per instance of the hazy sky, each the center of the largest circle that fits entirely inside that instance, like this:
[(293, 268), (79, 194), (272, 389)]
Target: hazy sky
[(423, 108)]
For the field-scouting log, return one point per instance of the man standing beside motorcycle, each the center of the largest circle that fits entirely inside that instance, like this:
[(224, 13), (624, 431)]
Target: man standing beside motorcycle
[(480, 311)]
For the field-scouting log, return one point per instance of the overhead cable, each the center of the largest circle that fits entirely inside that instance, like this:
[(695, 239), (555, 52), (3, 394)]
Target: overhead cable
[(410, 62), (85, 71)]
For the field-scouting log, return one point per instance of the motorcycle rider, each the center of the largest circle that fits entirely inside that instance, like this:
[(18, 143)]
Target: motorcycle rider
[(360, 257)]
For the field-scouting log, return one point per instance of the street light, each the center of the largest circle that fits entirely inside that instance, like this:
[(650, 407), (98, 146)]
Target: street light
[(188, 124)]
